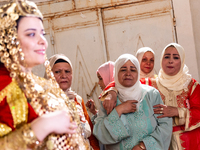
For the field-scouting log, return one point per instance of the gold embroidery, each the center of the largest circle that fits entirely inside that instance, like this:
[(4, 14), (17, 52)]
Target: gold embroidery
[(17, 103), (30, 138), (192, 127), (4, 129), (181, 98), (21, 139), (176, 141), (105, 93), (193, 87), (187, 120), (147, 81), (56, 99), (154, 84)]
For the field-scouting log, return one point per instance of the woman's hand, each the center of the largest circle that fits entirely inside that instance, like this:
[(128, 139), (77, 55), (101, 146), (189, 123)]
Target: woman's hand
[(126, 107), (166, 111), (91, 106), (137, 147), (56, 122), (110, 101)]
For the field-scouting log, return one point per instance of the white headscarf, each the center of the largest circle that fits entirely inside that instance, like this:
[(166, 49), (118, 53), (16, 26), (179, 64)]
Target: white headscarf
[(71, 94), (139, 56), (127, 93), (179, 81), (55, 57)]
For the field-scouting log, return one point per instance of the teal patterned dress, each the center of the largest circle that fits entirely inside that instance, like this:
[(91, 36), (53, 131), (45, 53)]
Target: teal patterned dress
[(123, 133)]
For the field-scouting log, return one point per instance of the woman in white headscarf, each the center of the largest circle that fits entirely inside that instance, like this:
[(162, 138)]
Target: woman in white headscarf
[(146, 57), (63, 71), (132, 124), (181, 96)]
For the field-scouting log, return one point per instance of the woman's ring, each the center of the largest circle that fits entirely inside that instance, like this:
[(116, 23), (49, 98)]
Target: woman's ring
[(161, 108), (71, 127), (161, 112)]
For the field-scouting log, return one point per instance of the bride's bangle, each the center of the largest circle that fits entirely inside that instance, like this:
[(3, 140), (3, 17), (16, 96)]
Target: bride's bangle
[(142, 147)]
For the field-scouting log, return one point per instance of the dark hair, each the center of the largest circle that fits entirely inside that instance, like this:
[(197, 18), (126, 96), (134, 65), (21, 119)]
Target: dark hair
[(171, 46), (60, 60), (18, 20)]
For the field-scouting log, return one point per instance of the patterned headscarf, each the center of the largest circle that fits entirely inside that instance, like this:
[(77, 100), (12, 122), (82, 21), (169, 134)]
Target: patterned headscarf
[(128, 93), (139, 56)]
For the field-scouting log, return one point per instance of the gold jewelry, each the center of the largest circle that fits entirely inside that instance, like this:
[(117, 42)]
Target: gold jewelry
[(104, 94), (142, 147), (161, 108), (29, 137), (71, 127), (161, 112)]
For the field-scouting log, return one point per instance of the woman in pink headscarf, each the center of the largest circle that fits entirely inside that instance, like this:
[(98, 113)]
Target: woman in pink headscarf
[(105, 76)]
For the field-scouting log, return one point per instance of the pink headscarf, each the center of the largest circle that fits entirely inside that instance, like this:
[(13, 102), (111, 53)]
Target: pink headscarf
[(106, 72)]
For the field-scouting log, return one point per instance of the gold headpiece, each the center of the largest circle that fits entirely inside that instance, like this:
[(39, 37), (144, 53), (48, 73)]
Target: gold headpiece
[(11, 12), (9, 45), (12, 57)]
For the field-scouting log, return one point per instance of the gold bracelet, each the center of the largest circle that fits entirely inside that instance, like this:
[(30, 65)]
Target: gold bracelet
[(142, 147), (29, 137)]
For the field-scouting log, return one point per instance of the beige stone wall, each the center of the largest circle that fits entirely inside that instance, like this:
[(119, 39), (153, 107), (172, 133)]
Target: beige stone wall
[(187, 31), (195, 12)]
